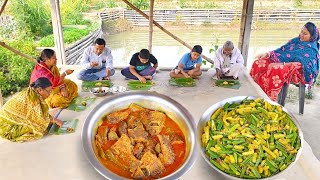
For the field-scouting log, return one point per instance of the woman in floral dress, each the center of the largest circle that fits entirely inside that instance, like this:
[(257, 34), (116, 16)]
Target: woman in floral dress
[(297, 61)]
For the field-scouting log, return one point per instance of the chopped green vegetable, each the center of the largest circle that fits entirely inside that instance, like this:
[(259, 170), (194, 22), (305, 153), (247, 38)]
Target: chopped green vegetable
[(252, 139)]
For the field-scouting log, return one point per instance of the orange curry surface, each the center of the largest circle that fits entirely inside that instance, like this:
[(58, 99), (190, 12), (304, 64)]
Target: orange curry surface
[(169, 127)]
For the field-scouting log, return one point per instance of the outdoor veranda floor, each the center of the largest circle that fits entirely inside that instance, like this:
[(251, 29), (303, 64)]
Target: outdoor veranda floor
[(62, 157)]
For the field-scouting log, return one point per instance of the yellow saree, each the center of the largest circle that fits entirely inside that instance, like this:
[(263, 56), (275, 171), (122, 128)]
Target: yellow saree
[(55, 100), (24, 117)]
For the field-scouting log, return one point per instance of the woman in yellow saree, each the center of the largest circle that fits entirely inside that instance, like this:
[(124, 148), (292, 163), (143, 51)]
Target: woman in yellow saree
[(63, 90), (25, 116)]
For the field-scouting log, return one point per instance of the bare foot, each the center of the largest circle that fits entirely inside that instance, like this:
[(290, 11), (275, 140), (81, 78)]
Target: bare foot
[(106, 78), (148, 77)]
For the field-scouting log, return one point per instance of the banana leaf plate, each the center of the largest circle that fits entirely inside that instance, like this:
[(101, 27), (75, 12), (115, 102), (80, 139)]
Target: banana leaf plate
[(182, 82), (232, 84), (87, 85), (67, 127), (80, 103), (137, 85)]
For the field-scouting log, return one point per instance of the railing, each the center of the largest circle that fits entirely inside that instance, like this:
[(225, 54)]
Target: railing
[(111, 14), (213, 16), (75, 51)]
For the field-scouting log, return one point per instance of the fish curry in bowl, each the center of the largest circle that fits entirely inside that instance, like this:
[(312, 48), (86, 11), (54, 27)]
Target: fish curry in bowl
[(140, 143)]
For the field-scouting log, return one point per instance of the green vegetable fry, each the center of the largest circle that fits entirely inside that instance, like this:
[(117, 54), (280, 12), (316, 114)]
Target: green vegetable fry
[(252, 139)]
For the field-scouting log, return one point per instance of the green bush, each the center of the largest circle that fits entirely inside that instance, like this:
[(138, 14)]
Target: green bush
[(140, 4), (71, 11), (70, 35), (32, 16), (15, 71), (298, 3), (111, 4)]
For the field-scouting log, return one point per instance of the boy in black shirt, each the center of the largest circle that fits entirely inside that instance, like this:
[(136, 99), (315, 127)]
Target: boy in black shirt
[(140, 66)]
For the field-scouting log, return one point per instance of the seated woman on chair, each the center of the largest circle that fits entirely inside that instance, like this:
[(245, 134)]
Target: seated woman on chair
[(63, 90), (283, 65)]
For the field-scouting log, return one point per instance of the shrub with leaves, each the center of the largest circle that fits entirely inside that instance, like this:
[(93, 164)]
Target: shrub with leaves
[(15, 71), (32, 16), (140, 4), (71, 11), (70, 35)]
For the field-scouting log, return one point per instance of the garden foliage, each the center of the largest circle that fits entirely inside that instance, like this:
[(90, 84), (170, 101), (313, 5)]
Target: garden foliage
[(15, 71)]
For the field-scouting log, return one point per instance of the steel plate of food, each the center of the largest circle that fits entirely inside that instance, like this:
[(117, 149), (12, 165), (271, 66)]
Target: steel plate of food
[(249, 138), (140, 135)]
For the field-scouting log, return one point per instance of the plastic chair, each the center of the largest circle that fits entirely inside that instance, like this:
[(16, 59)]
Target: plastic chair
[(284, 91), (283, 94)]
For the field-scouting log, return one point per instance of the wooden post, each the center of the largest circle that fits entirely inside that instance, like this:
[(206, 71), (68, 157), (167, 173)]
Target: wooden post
[(3, 6), (17, 52), (245, 28), (57, 32), (150, 25), (164, 30)]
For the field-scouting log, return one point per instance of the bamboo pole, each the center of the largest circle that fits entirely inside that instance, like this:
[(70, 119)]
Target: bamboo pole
[(151, 25), (164, 30), (3, 6), (17, 52)]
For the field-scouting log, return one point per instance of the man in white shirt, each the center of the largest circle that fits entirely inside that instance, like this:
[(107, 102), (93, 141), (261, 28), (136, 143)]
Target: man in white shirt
[(228, 61), (97, 62)]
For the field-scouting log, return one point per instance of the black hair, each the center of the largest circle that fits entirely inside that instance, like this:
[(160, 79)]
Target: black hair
[(41, 82), (45, 54), (144, 54), (197, 48), (100, 41), (311, 28)]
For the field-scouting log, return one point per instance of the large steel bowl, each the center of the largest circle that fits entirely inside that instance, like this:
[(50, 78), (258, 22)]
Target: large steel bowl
[(206, 116), (149, 100)]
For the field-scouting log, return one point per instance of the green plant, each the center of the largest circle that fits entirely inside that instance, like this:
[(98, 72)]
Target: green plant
[(215, 46), (298, 3), (15, 71), (71, 11), (111, 4), (182, 3), (140, 4), (210, 5), (32, 17), (70, 35)]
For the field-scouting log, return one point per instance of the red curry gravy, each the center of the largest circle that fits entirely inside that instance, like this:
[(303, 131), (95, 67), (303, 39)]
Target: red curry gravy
[(178, 149)]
